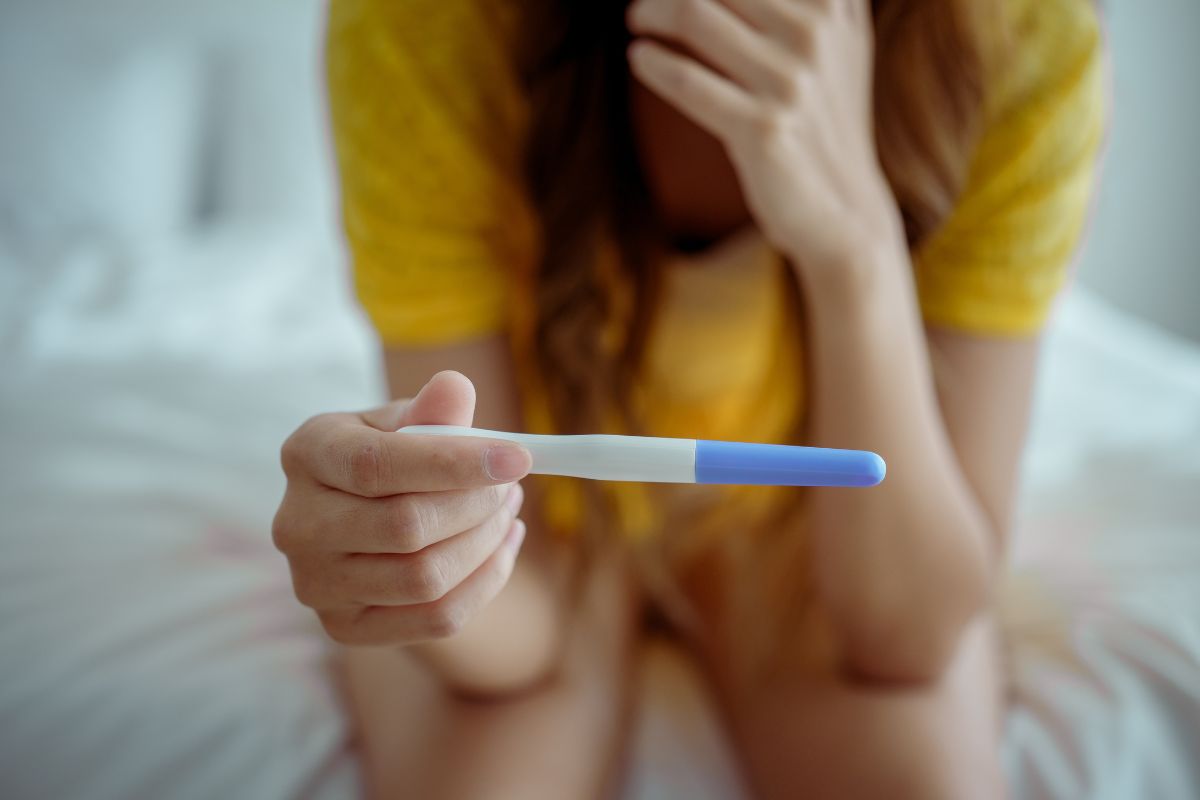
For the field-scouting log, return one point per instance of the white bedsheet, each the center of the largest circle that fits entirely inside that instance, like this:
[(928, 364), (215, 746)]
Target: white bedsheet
[(150, 646), (1103, 603)]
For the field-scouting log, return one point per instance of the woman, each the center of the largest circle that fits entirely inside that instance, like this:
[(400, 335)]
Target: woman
[(822, 221)]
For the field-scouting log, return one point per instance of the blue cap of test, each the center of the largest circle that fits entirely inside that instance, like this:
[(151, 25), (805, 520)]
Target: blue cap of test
[(785, 465)]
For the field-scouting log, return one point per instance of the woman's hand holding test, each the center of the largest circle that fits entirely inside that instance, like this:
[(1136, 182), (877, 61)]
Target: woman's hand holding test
[(395, 539)]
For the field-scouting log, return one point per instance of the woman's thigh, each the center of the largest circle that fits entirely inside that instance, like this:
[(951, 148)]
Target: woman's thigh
[(558, 740), (813, 733)]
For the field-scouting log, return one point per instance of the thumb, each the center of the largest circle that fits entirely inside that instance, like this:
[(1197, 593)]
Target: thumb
[(447, 399)]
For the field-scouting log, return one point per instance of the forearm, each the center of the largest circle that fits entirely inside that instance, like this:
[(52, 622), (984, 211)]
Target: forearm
[(417, 740), (513, 645), (902, 567), (514, 642)]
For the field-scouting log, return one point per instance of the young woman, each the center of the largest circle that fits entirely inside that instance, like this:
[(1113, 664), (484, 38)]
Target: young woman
[(832, 222)]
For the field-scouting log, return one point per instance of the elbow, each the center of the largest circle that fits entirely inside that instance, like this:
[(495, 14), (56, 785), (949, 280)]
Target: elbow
[(491, 669), (913, 637), (898, 652), (497, 660), (515, 679)]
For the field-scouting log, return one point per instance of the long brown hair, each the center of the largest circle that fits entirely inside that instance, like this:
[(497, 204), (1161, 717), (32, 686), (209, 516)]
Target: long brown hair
[(586, 185)]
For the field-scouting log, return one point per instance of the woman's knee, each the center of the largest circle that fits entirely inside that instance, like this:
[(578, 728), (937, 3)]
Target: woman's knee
[(937, 772)]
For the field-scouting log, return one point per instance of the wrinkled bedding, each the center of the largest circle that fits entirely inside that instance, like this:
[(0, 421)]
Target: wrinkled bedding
[(150, 645)]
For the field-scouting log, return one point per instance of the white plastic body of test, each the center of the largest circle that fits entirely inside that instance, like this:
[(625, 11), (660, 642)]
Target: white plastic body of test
[(598, 456)]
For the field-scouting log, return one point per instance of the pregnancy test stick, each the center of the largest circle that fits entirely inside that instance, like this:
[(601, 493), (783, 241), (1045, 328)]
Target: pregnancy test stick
[(608, 457)]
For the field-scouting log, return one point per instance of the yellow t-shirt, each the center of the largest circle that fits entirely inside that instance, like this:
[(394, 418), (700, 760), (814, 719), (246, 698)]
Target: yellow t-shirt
[(430, 122)]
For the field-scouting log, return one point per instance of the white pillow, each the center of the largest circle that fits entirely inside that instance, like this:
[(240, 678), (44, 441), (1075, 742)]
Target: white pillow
[(97, 133), (274, 162)]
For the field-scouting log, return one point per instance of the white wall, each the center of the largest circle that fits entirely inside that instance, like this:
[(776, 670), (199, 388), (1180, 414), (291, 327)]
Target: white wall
[(1144, 249)]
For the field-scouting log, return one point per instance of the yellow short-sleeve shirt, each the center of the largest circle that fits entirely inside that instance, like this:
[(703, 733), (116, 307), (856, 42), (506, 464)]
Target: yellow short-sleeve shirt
[(430, 122), (429, 125)]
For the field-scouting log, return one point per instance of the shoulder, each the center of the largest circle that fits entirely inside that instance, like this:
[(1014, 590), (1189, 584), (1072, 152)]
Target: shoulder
[(446, 21), (1045, 72), (1045, 107), (434, 43), (998, 261), (439, 76), (428, 115)]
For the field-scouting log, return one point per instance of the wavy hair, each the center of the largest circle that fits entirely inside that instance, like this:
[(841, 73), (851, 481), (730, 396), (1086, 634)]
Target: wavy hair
[(587, 188), (586, 185)]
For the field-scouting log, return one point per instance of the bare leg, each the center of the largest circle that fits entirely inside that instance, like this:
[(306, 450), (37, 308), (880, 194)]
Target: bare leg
[(802, 728), (558, 740), (815, 734)]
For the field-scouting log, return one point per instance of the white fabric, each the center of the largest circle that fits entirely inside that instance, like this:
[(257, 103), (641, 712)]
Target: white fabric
[(150, 645), (1103, 604), (136, 117), (95, 136)]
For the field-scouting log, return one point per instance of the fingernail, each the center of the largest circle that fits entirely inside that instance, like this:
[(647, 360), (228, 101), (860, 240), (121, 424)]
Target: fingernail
[(506, 462)]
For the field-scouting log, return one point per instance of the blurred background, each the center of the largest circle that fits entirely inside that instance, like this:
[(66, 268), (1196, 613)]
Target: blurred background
[(174, 300), (1143, 254)]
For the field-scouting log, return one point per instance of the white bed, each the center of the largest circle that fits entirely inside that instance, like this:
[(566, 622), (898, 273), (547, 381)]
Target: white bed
[(149, 642)]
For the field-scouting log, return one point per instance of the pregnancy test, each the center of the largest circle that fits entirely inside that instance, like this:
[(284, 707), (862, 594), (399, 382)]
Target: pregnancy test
[(608, 457)]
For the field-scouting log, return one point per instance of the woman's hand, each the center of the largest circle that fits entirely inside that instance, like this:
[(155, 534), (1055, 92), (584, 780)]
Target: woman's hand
[(394, 538), (786, 86)]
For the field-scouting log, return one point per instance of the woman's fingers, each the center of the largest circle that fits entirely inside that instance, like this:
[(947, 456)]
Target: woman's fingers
[(711, 101), (336, 522), (775, 17), (374, 519), (438, 619), (415, 578), (722, 39), (342, 452)]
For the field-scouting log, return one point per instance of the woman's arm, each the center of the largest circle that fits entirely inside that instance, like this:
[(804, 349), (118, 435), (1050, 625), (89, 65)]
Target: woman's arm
[(559, 691), (786, 87), (903, 567), (514, 642)]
